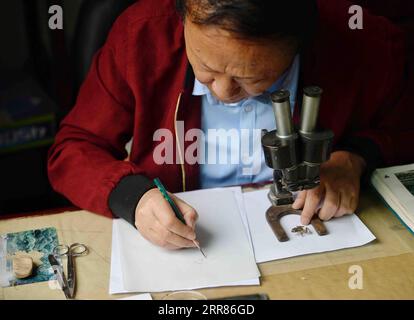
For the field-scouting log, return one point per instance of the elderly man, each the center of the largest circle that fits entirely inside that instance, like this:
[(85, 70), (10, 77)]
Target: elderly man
[(211, 65)]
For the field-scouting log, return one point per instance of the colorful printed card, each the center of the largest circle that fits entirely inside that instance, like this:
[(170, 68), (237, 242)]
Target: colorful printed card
[(37, 244)]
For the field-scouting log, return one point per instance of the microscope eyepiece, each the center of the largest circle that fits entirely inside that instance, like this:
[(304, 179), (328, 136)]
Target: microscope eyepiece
[(282, 112), (310, 109), (280, 96), (313, 91)]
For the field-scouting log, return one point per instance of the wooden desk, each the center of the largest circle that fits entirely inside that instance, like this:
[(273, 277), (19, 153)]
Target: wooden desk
[(387, 263)]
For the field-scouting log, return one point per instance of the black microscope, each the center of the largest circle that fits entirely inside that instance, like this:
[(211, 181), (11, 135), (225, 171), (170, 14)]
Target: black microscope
[(295, 155)]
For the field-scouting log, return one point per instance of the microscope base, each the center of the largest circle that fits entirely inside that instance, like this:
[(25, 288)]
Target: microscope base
[(275, 213)]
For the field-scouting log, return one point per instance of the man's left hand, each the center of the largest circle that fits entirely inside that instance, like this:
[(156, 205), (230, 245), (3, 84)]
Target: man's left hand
[(339, 188)]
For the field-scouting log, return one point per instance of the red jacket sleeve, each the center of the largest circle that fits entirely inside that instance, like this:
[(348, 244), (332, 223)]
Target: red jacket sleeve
[(86, 161)]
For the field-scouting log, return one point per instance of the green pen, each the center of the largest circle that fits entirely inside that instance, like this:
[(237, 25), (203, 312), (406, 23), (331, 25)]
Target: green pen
[(177, 211)]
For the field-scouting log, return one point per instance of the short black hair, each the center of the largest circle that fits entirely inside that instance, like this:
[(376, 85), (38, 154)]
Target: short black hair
[(292, 21)]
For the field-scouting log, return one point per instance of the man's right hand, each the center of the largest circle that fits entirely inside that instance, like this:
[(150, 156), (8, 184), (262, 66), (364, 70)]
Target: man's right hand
[(157, 223)]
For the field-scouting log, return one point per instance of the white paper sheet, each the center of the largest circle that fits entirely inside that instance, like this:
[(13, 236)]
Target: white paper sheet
[(144, 296), (116, 285), (345, 232), (230, 260)]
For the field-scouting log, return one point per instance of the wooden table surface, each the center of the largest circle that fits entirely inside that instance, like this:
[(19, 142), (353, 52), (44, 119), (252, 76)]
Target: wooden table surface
[(387, 263)]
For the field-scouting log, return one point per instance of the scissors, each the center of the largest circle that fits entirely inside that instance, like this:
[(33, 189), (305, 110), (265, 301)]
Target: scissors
[(74, 250)]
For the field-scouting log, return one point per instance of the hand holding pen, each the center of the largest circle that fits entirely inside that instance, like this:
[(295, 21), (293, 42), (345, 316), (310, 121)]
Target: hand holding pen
[(178, 214), (156, 221)]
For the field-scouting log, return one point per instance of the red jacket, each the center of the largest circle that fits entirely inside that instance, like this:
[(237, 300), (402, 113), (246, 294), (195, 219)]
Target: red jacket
[(136, 85)]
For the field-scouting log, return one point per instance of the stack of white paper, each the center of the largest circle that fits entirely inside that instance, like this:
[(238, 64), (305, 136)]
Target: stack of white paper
[(139, 266)]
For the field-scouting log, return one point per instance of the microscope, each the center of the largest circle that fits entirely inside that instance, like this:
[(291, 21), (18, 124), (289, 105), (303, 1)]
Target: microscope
[(295, 155)]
